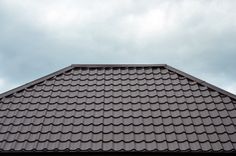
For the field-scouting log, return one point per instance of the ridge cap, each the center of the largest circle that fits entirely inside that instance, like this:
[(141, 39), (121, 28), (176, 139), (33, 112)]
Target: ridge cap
[(118, 65)]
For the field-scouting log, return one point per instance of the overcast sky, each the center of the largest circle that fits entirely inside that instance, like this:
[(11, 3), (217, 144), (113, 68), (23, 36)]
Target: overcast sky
[(38, 37)]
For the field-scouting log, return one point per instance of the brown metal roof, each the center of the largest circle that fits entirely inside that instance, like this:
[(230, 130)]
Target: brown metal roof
[(118, 108)]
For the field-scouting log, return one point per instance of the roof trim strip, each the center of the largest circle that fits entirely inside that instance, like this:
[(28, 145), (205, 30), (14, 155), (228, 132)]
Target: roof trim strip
[(117, 65), (204, 83)]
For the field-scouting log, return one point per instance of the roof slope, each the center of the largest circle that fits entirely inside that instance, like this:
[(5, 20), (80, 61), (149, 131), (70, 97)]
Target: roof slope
[(118, 108)]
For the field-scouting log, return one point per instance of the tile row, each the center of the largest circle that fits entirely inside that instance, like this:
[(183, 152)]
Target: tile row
[(48, 127), (175, 109), (118, 146), (116, 137), (195, 122), (94, 98), (125, 112)]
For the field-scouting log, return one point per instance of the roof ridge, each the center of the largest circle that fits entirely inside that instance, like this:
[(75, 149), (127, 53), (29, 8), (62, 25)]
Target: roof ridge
[(34, 82), (202, 82), (118, 65)]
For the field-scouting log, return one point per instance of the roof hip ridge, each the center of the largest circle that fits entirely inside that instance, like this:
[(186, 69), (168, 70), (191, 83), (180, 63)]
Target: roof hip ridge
[(202, 82), (35, 82)]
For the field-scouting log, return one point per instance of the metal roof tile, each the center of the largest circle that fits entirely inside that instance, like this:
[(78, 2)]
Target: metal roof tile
[(100, 107)]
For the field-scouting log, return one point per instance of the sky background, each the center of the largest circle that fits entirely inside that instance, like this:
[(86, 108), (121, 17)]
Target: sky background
[(38, 37)]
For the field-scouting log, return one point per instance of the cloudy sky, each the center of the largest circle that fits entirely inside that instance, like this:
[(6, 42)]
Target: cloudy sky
[(38, 37)]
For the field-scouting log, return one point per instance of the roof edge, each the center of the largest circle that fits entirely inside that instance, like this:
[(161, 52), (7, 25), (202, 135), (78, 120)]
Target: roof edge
[(204, 83), (118, 65), (161, 153), (34, 82)]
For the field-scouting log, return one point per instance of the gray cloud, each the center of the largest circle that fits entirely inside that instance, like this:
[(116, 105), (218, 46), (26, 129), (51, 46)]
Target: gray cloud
[(39, 37)]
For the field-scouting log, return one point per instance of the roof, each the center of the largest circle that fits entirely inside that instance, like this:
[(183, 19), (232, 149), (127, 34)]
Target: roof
[(118, 107)]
